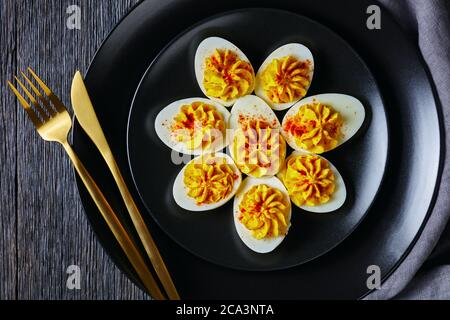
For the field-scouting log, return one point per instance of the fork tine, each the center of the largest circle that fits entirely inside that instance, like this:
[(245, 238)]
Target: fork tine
[(44, 101), (53, 98), (40, 82), (33, 100), (37, 123)]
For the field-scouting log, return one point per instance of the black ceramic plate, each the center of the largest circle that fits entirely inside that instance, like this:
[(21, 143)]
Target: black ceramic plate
[(406, 194), (212, 235)]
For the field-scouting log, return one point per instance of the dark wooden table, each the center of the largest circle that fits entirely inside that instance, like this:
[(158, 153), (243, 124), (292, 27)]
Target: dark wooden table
[(43, 228)]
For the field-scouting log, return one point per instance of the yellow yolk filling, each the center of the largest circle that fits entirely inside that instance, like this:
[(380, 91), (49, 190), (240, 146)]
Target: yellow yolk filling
[(286, 80), (258, 149), (227, 77), (198, 125), (308, 179), (315, 128), (264, 211), (209, 181)]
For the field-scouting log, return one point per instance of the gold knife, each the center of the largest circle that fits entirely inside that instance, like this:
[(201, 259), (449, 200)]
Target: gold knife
[(85, 114)]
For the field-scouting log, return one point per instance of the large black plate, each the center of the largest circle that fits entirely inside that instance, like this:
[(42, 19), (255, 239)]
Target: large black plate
[(212, 235), (407, 193)]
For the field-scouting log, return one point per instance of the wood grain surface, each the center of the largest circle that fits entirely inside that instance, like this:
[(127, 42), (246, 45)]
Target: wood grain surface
[(43, 228)]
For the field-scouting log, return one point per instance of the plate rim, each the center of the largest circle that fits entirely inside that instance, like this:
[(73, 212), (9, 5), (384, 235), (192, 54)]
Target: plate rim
[(441, 144)]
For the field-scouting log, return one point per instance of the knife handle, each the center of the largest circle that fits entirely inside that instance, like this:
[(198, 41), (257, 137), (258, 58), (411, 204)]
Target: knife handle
[(115, 226), (142, 230)]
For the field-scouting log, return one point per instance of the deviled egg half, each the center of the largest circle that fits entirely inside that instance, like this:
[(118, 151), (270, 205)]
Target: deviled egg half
[(323, 122), (262, 213), (257, 146), (207, 182), (285, 76), (223, 72), (313, 183), (193, 126)]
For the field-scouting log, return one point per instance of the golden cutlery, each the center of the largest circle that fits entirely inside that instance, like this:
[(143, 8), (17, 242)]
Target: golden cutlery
[(85, 113), (53, 123)]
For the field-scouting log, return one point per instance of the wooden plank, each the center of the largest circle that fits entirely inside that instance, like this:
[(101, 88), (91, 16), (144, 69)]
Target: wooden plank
[(53, 231), (8, 216)]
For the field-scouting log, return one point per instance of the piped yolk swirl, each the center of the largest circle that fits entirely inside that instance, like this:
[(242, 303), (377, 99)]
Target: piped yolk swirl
[(316, 127), (227, 77), (308, 179), (258, 149), (286, 79), (209, 181), (198, 125), (264, 211)]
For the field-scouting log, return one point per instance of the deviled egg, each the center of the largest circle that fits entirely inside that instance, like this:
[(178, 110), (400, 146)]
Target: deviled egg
[(193, 126), (207, 182), (262, 213), (256, 146), (323, 122), (313, 183), (285, 76), (223, 72)]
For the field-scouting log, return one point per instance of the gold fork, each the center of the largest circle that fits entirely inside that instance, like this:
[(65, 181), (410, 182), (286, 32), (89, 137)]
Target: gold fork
[(54, 124)]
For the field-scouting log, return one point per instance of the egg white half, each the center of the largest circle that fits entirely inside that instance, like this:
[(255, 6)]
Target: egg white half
[(205, 50), (264, 245), (164, 121), (296, 50), (252, 107), (180, 190), (339, 195), (351, 110)]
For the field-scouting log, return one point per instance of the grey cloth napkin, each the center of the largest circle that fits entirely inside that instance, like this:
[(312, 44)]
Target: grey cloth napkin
[(425, 273)]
